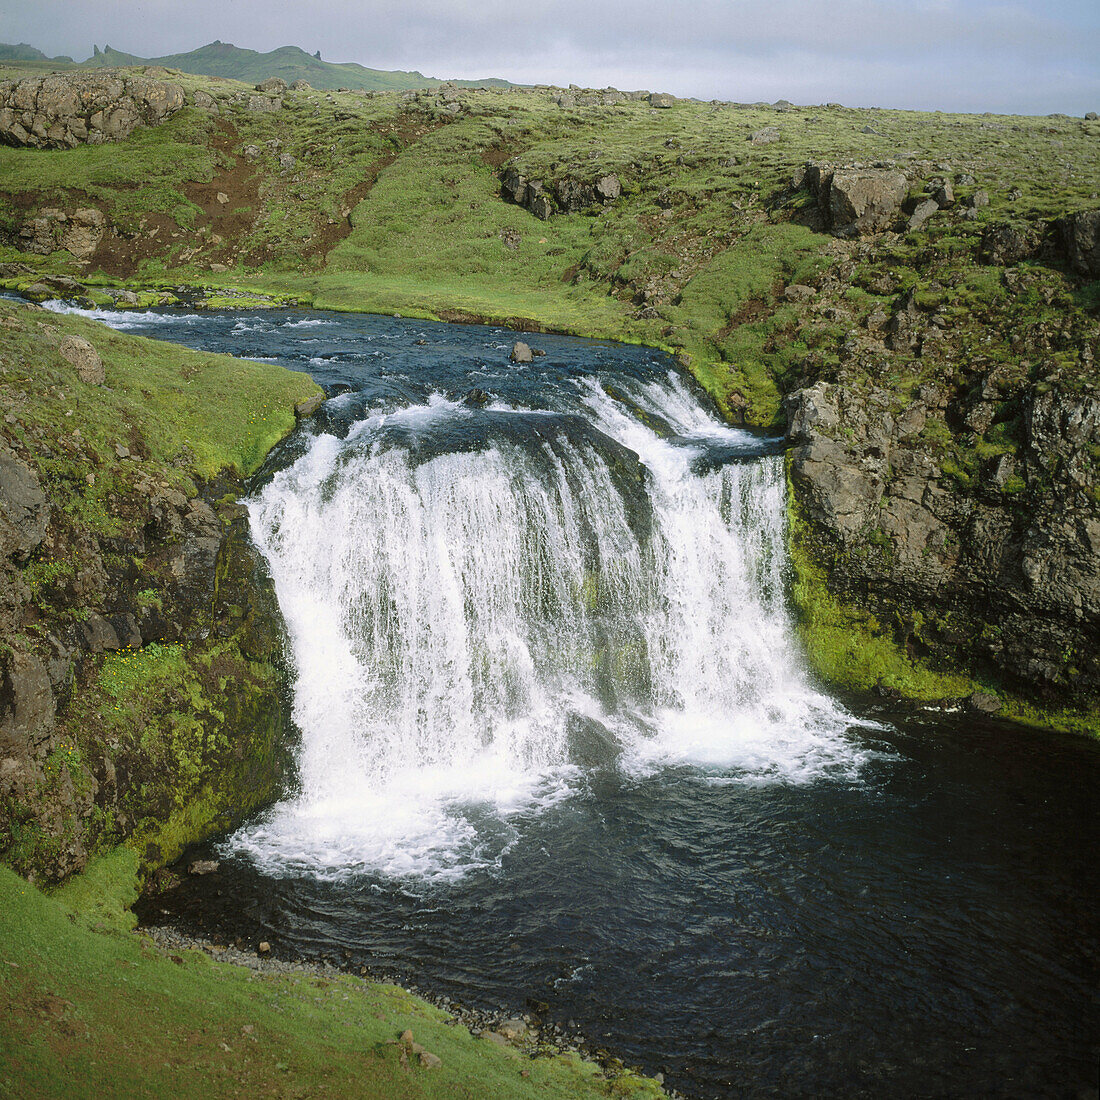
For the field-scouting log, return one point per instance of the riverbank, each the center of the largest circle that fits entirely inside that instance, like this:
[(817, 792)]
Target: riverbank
[(88, 1007)]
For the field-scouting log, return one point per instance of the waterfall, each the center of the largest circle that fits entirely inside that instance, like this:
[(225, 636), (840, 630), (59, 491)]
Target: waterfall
[(485, 605)]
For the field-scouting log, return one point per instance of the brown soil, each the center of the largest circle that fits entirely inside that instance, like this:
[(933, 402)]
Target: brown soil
[(752, 310)]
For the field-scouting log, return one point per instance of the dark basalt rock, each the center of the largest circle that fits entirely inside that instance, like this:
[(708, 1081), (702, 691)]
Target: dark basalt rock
[(568, 195), (975, 577)]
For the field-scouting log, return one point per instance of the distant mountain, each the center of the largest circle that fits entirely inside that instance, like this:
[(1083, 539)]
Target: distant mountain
[(23, 52), (288, 62)]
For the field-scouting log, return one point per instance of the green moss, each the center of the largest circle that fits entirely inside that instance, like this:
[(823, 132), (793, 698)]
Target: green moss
[(88, 1011)]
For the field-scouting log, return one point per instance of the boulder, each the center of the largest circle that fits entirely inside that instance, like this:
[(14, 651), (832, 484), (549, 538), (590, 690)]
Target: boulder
[(50, 230), (661, 99), (521, 353), (205, 102), (26, 702), (796, 292), (305, 409), (24, 510), (274, 85), (766, 136), (1079, 235), (86, 360), (608, 188), (301, 86), (922, 213), (1003, 243), (864, 200), (82, 233), (64, 110), (260, 104), (944, 195)]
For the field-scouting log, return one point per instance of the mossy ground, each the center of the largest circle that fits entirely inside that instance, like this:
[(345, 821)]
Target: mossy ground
[(90, 1009)]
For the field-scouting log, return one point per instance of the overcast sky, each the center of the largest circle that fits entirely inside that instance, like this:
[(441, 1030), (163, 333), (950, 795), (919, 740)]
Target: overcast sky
[(1027, 56)]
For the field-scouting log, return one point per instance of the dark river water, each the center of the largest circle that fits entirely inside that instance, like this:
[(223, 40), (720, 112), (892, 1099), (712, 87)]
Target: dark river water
[(557, 745)]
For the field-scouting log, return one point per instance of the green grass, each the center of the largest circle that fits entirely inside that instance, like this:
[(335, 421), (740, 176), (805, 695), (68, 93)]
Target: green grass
[(160, 401), (704, 222), (89, 1009)]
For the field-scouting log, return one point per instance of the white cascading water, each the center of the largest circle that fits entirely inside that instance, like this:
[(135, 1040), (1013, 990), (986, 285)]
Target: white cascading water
[(472, 631)]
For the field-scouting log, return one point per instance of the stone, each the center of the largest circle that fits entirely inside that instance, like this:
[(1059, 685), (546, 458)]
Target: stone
[(274, 85), (301, 86), (1006, 244), (922, 213), (264, 947), (661, 99), (97, 634), (205, 102), (1079, 235), (766, 136), (286, 161), (796, 292), (512, 1029), (1091, 116), (983, 702), (608, 188), (307, 408), (261, 104), (944, 195), (26, 701), (203, 867), (521, 353), (222, 198), (24, 509), (865, 199), (80, 353)]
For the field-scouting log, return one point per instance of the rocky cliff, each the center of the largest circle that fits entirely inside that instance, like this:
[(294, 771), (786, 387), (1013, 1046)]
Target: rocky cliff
[(999, 577)]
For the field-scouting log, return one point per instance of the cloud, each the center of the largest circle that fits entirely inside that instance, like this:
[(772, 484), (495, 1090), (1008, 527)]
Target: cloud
[(1022, 56)]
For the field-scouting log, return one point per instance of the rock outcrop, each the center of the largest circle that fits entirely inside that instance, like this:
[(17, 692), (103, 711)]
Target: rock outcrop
[(568, 195), (999, 576), (62, 111), (142, 697), (50, 229), (854, 201)]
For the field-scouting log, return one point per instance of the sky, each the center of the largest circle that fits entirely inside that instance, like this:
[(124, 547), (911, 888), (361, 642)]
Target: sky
[(1025, 57)]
